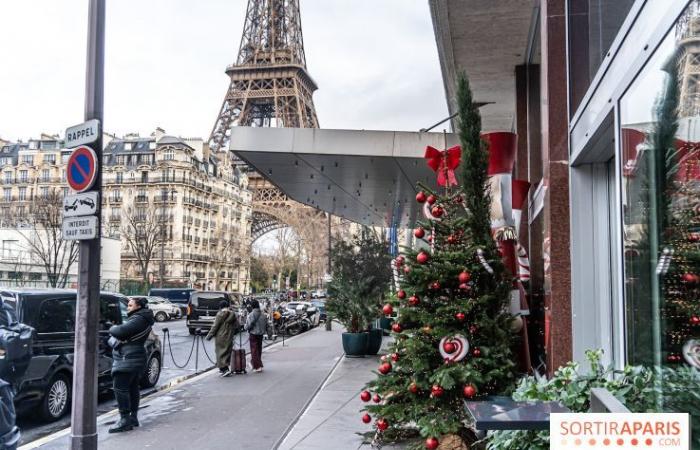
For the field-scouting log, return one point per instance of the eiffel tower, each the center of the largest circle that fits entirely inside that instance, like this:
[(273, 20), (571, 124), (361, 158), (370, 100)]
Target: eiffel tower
[(270, 87)]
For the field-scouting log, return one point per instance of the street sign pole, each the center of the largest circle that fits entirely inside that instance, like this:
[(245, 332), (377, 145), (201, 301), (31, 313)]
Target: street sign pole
[(84, 412)]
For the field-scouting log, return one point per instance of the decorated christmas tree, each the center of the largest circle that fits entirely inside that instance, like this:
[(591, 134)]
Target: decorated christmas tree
[(453, 329)]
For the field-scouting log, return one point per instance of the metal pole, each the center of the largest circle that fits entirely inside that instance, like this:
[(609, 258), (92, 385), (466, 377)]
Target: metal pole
[(329, 243), (84, 412)]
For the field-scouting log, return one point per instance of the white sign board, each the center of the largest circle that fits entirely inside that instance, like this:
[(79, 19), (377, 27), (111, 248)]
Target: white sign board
[(79, 228), (84, 204), (85, 133)]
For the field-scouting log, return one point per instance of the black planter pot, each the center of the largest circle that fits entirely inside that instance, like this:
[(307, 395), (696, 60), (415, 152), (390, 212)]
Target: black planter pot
[(374, 341), (385, 324), (355, 344)]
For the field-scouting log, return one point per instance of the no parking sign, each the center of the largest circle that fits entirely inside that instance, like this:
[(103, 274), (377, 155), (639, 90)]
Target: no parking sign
[(81, 169)]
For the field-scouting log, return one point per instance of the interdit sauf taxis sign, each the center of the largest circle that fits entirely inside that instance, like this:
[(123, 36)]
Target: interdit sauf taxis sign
[(668, 431)]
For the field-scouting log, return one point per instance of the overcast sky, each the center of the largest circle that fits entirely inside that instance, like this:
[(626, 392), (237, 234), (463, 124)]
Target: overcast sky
[(375, 62)]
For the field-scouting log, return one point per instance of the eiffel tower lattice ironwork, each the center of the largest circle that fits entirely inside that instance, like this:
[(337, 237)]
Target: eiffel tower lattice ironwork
[(270, 87)]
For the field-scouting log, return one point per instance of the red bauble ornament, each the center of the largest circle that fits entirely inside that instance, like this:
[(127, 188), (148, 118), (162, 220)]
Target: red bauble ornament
[(437, 211), (413, 388), (435, 285), (451, 239), (449, 347), (401, 294), (376, 398), (464, 277), (421, 197), (399, 260), (365, 396), (469, 391), (414, 300), (695, 320), (366, 418), (396, 328), (460, 316), (419, 232), (694, 237), (464, 287), (431, 199), (422, 258), (384, 368), (394, 357), (388, 310), (406, 269), (436, 390), (690, 278), (382, 424), (459, 199), (431, 443), (430, 238), (476, 352)]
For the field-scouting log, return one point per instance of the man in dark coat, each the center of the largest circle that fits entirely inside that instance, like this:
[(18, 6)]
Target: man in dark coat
[(129, 361), (225, 325)]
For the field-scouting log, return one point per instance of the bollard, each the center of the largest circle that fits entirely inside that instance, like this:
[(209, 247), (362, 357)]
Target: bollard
[(329, 323)]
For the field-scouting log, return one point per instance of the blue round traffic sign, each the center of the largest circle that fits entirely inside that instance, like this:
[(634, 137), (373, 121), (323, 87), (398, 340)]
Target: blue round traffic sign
[(81, 169)]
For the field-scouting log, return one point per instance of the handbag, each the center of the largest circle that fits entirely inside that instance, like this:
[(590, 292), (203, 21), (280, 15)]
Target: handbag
[(114, 343)]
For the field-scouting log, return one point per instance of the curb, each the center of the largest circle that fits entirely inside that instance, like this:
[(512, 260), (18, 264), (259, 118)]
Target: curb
[(176, 382), (305, 408)]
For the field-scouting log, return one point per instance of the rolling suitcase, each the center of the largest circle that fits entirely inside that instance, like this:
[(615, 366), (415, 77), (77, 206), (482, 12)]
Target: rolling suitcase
[(238, 361)]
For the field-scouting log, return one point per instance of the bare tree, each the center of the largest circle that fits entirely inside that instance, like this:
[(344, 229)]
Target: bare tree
[(41, 231), (142, 228)]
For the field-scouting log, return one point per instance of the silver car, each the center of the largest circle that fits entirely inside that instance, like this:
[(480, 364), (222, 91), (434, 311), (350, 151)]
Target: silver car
[(162, 308)]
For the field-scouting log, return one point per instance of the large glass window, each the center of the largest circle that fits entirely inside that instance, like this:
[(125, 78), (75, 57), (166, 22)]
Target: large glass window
[(660, 144)]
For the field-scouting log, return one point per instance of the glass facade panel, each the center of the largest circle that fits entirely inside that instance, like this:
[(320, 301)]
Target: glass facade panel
[(660, 145)]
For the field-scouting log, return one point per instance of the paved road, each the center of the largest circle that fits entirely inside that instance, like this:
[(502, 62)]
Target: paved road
[(181, 343)]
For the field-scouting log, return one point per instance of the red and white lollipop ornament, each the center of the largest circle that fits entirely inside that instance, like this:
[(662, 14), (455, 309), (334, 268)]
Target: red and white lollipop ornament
[(454, 348)]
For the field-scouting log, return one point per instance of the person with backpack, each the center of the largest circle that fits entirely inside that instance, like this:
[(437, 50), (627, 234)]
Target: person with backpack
[(225, 325), (255, 325), (129, 361)]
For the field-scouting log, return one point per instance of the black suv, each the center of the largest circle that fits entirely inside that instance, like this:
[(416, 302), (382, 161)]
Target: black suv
[(47, 382), (203, 306), (178, 296)]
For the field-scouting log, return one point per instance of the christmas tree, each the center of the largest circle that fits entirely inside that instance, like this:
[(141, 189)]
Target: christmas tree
[(452, 334)]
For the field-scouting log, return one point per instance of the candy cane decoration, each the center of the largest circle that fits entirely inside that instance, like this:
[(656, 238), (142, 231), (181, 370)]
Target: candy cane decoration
[(460, 347), (428, 214), (395, 272), (523, 263), (482, 260), (664, 261)]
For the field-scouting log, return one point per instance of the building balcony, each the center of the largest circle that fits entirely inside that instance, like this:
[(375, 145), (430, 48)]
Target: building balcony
[(115, 200), (115, 218), (163, 199), (141, 199)]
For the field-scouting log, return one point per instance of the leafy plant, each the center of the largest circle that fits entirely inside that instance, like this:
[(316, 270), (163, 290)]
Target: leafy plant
[(640, 389), (361, 271)]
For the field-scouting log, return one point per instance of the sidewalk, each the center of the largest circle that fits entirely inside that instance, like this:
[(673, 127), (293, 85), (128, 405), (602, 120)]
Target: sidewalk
[(250, 411), (333, 418)]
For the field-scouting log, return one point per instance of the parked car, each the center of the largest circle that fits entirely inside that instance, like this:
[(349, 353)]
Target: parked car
[(46, 385), (318, 293), (162, 308), (321, 308), (178, 296), (203, 306)]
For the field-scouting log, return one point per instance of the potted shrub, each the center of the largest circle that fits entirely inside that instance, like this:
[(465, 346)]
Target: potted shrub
[(361, 272)]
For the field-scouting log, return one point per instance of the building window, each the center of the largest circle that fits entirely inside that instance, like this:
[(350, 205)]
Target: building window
[(22, 193), (23, 176), (169, 154), (8, 177), (144, 177), (44, 192), (120, 177), (65, 191), (45, 175), (7, 194), (50, 159), (127, 145), (28, 159)]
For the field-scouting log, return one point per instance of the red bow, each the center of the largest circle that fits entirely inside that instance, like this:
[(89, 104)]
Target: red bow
[(444, 163)]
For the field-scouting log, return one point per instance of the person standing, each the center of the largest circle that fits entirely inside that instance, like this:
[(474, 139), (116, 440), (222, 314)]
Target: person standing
[(225, 325), (129, 361), (255, 325)]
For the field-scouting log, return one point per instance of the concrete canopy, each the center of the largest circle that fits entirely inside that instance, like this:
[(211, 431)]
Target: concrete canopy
[(367, 177), (486, 39)]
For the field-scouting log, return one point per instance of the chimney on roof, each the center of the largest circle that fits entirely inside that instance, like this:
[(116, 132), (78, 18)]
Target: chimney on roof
[(158, 133)]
